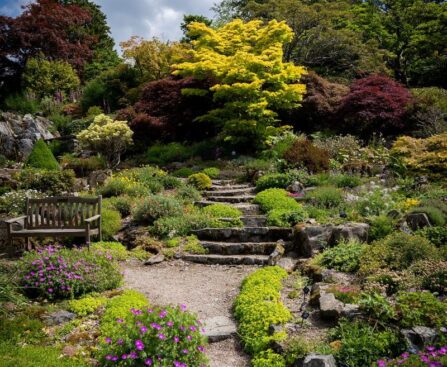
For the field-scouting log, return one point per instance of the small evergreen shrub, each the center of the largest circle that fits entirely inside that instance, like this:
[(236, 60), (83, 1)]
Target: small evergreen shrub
[(56, 273), (430, 275), (50, 182), (268, 358), (327, 197), (193, 246), (170, 182), (274, 180), (436, 235), (87, 305), (380, 227), (162, 154), (303, 154), (154, 207), (82, 166), (41, 157), (212, 172), (346, 181), (276, 199), (187, 194), (286, 217), (224, 211), (111, 223), (200, 181), (115, 250), (183, 172), (180, 225), (123, 204), (118, 186), (343, 257)]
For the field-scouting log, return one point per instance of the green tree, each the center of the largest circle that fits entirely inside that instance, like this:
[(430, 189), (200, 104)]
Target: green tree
[(190, 18), (252, 81), (46, 78), (42, 157)]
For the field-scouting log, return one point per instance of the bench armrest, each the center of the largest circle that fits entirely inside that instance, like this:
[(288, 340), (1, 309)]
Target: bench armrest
[(92, 219), (15, 220)]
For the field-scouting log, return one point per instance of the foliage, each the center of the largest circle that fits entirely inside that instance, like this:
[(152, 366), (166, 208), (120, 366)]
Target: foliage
[(51, 182), (436, 235), (420, 309), (258, 306), (187, 194), (212, 172), (9, 287), (21, 104), (57, 273), (193, 246), (375, 202), (200, 181), (108, 137), (346, 181), (268, 358), (361, 344), (423, 156), (430, 275), (154, 207), (111, 223), (151, 334), (327, 197), (82, 166), (397, 251), (273, 180), (275, 199), (183, 172), (380, 227), (286, 217), (304, 154), (247, 61), (187, 20), (340, 147), (123, 204), (41, 157), (430, 356), (13, 203), (375, 103), (114, 250), (435, 215), (86, 305), (166, 153), (122, 185), (220, 211), (49, 78), (180, 225), (377, 306), (343, 257)]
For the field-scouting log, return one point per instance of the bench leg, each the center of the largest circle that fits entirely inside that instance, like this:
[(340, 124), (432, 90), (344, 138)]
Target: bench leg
[(28, 244), (87, 238)]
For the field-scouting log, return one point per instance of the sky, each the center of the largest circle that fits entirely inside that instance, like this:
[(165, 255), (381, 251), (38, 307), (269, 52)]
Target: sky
[(145, 18)]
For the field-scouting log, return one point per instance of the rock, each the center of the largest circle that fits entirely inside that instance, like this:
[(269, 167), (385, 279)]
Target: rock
[(319, 360), (6, 178), (310, 238), (97, 178), (418, 221), (69, 351), (276, 255), (393, 214), (19, 133), (419, 337), (275, 329), (330, 307), (350, 311), (287, 263), (349, 231), (58, 317), (157, 259), (296, 187), (219, 328)]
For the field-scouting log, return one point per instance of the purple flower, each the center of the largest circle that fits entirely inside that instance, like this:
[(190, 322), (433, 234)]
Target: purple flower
[(124, 356), (139, 345), (156, 326), (161, 336), (148, 362), (119, 321), (120, 341), (133, 355), (200, 348), (108, 340), (143, 329), (176, 339), (170, 323), (183, 307), (381, 363), (185, 351), (192, 328)]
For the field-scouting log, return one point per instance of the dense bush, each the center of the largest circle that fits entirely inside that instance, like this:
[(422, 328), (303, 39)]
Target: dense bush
[(115, 250), (118, 186), (50, 182), (258, 306), (326, 197), (380, 227), (86, 305), (420, 309), (183, 172), (188, 194), (111, 223), (346, 181), (268, 358), (286, 217), (200, 181), (82, 166), (436, 235), (274, 180), (41, 157), (163, 154), (303, 154), (171, 335), (436, 211), (212, 172), (180, 225), (430, 275), (275, 199), (343, 257), (397, 251), (219, 211), (123, 204), (153, 207), (57, 273), (13, 203), (376, 202), (361, 344)]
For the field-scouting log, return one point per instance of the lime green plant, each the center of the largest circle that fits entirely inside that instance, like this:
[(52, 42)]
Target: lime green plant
[(200, 181), (41, 157), (86, 306)]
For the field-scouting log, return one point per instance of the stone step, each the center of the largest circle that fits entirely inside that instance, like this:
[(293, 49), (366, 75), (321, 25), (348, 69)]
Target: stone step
[(232, 199), (228, 260), (230, 187), (233, 192), (239, 248), (223, 182), (245, 208), (247, 234), (254, 220)]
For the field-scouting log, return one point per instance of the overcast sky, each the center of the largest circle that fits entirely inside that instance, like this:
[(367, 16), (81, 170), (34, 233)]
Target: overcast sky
[(146, 18)]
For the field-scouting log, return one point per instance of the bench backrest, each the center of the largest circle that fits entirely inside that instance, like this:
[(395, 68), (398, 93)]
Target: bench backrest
[(61, 212)]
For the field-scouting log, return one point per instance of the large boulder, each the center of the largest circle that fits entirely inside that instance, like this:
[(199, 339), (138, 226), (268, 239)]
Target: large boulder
[(349, 231), (308, 239), (19, 133)]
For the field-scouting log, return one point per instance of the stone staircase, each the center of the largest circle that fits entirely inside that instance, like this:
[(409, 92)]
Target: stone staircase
[(248, 245)]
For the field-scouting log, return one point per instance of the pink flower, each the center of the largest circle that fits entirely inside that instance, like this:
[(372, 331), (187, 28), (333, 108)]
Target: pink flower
[(183, 307), (161, 336), (148, 362), (108, 340), (176, 339), (143, 329)]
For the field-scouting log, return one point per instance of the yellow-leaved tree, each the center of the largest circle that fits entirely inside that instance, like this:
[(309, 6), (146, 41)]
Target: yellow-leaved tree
[(108, 137), (252, 83)]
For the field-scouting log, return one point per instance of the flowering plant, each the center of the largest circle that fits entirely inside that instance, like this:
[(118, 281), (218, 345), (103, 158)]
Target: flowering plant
[(158, 337), (431, 357), (57, 273)]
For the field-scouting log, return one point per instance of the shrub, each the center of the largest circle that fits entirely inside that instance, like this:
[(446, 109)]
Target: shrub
[(268, 358), (274, 180), (346, 181), (183, 172), (169, 334), (397, 251), (154, 207), (163, 154), (276, 199), (377, 306), (21, 104), (180, 225), (224, 211), (327, 197), (361, 344), (429, 357), (436, 216), (286, 217), (303, 154), (436, 235), (118, 186), (212, 172), (115, 250), (200, 181), (193, 246), (343, 257), (420, 309), (380, 227), (170, 182), (3, 161), (52, 183), (376, 202), (431, 275), (57, 273), (187, 194), (123, 204), (111, 223), (9, 287), (41, 157), (13, 202), (82, 166), (258, 306), (86, 305)]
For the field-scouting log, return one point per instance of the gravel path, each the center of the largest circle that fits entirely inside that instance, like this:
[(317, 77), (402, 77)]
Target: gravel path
[(208, 290)]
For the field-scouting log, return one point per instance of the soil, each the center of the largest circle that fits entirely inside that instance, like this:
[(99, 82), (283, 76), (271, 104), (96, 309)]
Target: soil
[(207, 290)]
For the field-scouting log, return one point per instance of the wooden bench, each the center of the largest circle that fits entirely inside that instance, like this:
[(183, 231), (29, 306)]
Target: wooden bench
[(58, 217)]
